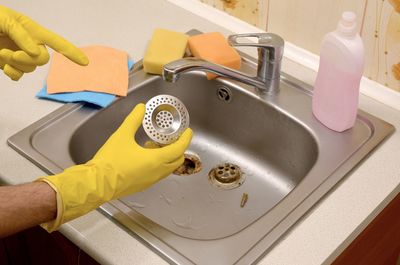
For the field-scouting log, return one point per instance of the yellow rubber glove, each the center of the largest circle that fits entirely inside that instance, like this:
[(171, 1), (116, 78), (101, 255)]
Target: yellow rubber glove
[(22, 45), (121, 167)]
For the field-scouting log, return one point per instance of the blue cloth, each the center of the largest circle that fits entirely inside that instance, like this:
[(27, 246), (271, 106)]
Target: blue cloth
[(97, 98)]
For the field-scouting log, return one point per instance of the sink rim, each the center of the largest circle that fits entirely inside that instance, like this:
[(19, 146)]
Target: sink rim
[(258, 249)]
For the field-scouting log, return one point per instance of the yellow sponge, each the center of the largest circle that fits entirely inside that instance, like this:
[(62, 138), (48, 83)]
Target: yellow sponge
[(213, 47), (165, 46)]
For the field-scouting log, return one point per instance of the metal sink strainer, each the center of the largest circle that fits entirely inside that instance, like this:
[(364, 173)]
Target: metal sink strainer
[(166, 118)]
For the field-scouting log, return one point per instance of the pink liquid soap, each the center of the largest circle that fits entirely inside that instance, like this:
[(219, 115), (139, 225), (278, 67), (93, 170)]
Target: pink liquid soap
[(336, 96), (336, 89)]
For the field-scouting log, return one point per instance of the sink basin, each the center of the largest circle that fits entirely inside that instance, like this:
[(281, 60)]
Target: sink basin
[(282, 160), (242, 132)]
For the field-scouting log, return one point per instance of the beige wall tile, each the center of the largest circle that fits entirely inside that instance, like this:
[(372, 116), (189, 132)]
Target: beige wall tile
[(253, 12), (305, 22), (381, 35)]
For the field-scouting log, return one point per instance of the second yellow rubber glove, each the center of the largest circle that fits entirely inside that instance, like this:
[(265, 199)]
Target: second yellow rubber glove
[(119, 168), (23, 45)]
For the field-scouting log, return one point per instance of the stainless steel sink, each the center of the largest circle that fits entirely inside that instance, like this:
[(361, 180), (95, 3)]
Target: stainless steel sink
[(282, 159)]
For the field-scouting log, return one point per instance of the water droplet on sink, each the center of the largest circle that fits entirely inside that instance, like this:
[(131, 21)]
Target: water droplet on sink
[(136, 205), (187, 224), (213, 200), (166, 199)]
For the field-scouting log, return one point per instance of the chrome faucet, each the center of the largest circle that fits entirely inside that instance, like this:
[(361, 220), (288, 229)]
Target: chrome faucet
[(270, 51)]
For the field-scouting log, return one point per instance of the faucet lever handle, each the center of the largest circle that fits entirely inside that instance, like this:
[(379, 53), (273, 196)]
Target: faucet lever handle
[(264, 40), (268, 41), (270, 52)]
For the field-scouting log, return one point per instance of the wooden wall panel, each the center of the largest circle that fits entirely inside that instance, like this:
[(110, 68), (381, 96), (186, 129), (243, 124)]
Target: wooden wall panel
[(304, 23), (253, 12), (381, 35)]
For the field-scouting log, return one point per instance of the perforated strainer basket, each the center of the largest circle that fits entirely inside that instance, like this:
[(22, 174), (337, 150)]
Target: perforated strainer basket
[(166, 118)]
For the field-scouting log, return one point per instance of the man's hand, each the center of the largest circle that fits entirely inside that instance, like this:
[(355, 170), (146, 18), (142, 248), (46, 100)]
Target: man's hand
[(121, 167), (23, 45)]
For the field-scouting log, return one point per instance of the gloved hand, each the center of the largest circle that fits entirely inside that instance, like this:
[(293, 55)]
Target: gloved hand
[(22, 45), (119, 168)]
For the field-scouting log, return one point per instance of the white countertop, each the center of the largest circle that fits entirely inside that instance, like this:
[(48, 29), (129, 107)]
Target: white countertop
[(318, 238)]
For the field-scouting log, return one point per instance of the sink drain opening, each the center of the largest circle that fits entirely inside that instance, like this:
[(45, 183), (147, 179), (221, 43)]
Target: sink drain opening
[(226, 176), (224, 94), (191, 165)]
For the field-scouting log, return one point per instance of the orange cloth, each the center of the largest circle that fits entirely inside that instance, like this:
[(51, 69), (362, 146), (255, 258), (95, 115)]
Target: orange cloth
[(213, 47), (107, 72)]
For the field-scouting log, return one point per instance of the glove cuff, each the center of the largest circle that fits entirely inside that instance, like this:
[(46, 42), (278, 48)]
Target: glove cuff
[(54, 224), (80, 189)]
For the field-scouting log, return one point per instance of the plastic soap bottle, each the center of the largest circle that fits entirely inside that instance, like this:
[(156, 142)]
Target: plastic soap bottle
[(336, 89)]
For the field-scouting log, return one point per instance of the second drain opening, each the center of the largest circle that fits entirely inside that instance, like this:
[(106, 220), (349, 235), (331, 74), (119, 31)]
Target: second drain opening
[(191, 165), (227, 176)]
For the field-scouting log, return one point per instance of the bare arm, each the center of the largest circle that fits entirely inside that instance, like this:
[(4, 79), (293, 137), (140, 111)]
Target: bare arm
[(26, 205)]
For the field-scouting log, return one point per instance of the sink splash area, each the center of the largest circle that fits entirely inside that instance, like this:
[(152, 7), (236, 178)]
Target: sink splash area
[(255, 166)]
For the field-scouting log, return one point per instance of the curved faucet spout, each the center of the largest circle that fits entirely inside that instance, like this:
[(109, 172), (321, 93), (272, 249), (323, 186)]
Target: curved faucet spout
[(270, 51), (173, 70)]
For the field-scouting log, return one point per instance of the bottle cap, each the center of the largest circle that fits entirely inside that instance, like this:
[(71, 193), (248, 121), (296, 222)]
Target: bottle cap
[(348, 24)]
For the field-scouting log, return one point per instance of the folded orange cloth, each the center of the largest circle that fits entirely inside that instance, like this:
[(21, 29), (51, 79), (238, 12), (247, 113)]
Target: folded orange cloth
[(106, 72), (215, 48)]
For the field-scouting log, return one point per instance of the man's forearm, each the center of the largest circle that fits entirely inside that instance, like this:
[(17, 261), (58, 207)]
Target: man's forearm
[(26, 205)]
